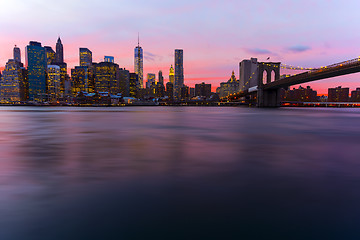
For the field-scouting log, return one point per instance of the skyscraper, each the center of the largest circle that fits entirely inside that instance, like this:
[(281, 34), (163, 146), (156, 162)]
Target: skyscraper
[(150, 80), (171, 75), (59, 52), (85, 57), (13, 85), (50, 55), (36, 64), (161, 78), (179, 68), (17, 54), (138, 63), (53, 80)]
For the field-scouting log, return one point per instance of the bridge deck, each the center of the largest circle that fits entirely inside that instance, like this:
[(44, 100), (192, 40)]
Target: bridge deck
[(319, 74)]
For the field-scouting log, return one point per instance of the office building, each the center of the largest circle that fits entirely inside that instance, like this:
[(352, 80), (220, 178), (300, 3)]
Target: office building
[(17, 54), (106, 77), (59, 55), (124, 82), (133, 85), (13, 83), (150, 80), (161, 78), (203, 90), (53, 83), (170, 90), (85, 56), (80, 79), (138, 64), (36, 65), (248, 73), (50, 55)]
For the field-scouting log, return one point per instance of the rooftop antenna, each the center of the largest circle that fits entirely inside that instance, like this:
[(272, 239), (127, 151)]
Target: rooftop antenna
[(138, 39)]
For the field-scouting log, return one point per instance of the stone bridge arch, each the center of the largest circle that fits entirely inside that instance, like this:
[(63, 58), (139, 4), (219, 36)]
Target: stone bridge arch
[(269, 68)]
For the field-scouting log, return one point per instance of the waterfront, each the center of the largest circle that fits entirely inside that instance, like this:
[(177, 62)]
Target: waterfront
[(179, 173)]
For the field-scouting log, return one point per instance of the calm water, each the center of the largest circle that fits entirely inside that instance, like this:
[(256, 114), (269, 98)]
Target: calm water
[(179, 173)]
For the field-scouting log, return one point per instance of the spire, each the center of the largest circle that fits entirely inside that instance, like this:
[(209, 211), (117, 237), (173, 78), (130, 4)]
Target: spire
[(59, 40), (138, 40)]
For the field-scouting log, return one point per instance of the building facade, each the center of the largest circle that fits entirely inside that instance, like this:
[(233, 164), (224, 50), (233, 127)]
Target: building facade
[(248, 74), (85, 56), (107, 77), (138, 64), (17, 54), (36, 65), (53, 83), (13, 83), (59, 56), (203, 90), (179, 72), (338, 94), (172, 75), (230, 87)]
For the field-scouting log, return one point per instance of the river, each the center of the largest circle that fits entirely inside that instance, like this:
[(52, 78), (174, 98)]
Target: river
[(179, 173)]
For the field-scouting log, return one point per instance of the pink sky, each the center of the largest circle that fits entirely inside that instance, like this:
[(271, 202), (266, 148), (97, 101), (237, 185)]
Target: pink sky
[(215, 35)]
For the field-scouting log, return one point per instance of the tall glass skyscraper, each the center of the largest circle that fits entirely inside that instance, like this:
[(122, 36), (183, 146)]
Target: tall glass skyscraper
[(36, 64), (85, 57), (179, 68), (138, 64), (179, 73)]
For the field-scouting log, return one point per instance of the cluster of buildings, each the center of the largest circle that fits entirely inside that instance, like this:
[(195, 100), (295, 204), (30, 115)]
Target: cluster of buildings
[(45, 79)]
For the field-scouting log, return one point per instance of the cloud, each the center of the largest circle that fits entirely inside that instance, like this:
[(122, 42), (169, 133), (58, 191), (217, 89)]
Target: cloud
[(299, 48), (150, 56), (258, 51)]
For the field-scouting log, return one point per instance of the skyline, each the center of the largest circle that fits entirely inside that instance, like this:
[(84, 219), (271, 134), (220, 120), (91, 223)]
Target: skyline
[(300, 34)]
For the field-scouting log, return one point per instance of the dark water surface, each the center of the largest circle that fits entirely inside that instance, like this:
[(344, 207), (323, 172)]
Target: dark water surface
[(179, 173)]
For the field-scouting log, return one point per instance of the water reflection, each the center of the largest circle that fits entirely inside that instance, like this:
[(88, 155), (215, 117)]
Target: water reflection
[(136, 173)]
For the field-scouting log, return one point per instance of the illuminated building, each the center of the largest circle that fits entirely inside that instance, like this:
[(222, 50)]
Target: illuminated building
[(80, 78), (138, 64), (179, 72), (85, 57), (133, 84), (124, 82), (171, 75), (59, 55), (109, 59), (203, 90), (106, 77), (338, 94), (229, 87), (161, 78), (170, 90), (150, 80), (53, 83), (13, 83), (17, 54), (63, 77), (36, 65), (50, 55)]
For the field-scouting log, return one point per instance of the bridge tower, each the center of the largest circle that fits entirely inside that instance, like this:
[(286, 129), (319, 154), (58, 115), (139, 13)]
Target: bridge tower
[(268, 98)]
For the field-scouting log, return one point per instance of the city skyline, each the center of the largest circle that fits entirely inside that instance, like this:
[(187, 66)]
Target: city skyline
[(215, 36)]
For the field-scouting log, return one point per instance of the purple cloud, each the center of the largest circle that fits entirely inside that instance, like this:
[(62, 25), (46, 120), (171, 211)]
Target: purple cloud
[(258, 51), (299, 48)]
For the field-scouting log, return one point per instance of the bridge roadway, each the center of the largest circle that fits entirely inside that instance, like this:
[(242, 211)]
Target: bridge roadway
[(349, 67)]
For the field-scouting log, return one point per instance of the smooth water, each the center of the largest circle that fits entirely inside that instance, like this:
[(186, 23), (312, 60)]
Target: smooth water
[(179, 173)]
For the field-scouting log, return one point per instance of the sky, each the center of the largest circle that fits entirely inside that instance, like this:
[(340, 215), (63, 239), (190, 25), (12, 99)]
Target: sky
[(215, 35)]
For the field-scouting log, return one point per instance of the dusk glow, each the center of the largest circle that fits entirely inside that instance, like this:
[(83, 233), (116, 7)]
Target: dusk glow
[(215, 35)]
